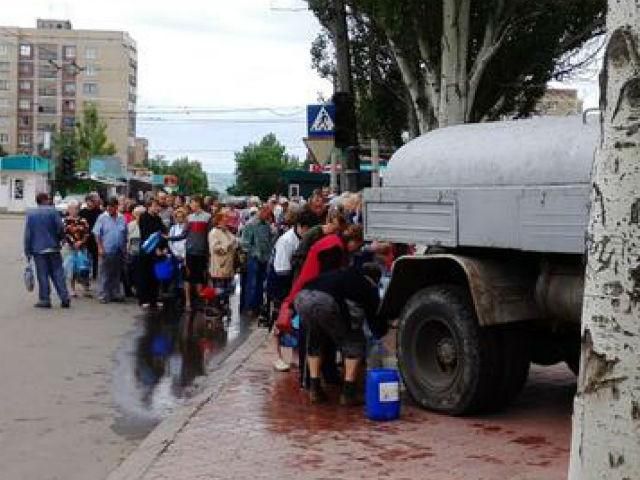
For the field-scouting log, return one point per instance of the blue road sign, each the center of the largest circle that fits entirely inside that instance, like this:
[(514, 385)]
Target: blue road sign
[(321, 120)]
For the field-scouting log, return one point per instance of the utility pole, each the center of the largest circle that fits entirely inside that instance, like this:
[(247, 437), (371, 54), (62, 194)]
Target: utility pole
[(375, 164), (344, 90), (606, 420)]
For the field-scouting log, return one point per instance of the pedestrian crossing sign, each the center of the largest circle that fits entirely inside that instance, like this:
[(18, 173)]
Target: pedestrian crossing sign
[(321, 120)]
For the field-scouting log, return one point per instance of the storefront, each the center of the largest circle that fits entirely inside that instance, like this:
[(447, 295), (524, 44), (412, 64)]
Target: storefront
[(21, 178)]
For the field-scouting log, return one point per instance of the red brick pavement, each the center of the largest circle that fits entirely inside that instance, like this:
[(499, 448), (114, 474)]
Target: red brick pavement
[(262, 427)]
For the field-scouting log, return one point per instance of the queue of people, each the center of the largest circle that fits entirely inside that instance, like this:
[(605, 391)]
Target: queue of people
[(301, 265)]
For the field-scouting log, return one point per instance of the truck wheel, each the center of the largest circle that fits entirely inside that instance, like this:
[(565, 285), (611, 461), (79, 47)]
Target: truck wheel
[(446, 359), (515, 362)]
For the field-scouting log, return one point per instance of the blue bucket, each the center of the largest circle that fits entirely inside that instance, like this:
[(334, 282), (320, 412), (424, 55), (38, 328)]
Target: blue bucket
[(164, 270), (383, 394)]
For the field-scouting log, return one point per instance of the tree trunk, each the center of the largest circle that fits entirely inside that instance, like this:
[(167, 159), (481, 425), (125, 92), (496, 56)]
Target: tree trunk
[(606, 419), (453, 76)]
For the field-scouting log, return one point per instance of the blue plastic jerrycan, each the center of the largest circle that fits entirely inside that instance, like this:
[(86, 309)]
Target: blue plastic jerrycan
[(383, 394)]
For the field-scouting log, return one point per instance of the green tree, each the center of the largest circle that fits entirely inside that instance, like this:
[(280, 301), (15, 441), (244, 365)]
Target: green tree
[(191, 178), (92, 137), (259, 165), (460, 60), (159, 165)]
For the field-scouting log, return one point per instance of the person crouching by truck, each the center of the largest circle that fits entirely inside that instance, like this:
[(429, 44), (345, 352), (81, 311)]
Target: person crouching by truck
[(326, 306)]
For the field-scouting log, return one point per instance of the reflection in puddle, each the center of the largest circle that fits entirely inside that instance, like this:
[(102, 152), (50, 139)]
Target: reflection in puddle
[(164, 363)]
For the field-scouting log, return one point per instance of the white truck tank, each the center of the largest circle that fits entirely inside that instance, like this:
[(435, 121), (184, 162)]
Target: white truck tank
[(521, 185)]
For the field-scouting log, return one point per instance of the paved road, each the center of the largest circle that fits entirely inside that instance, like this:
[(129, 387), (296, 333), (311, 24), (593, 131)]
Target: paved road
[(80, 388)]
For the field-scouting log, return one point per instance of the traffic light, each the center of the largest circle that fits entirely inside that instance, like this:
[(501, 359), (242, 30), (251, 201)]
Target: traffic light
[(345, 127), (68, 167)]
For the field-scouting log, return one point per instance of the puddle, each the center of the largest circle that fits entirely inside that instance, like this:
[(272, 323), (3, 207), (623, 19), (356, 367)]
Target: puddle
[(163, 363)]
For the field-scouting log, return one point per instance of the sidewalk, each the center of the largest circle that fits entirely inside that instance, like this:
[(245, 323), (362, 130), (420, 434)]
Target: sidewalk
[(259, 425)]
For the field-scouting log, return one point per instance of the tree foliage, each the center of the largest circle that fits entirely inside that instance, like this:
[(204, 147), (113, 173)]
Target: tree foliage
[(92, 137), (86, 140), (192, 179), (456, 61), (259, 165)]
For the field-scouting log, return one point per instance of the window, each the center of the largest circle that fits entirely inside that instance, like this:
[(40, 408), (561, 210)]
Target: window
[(69, 122), (25, 68), (4, 66), (24, 139), (18, 188), (47, 89), (46, 127), (90, 70), (24, 122), (4, 103), (4, 138), (47, 52), (4, 84), (90, 53), (69, 52), (26, 86), (47, 71), (4, 49), (25, 50), (90, 89), (68, 105), (24, 105), (4, 121), (69, 88), (47, 105)]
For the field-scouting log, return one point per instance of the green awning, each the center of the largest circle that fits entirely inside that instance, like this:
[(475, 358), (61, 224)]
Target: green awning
[(30, 163)]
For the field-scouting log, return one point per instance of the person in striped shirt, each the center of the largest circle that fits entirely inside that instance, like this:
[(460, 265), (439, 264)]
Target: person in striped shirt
[(196, 234)]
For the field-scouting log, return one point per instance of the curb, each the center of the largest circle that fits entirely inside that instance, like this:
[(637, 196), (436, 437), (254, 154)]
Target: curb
[(136, 465)]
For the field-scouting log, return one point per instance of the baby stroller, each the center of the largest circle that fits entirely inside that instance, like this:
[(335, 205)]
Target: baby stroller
[(213, 308)]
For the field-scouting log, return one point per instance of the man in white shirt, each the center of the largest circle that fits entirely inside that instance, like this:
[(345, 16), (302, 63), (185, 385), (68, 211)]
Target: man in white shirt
[(288, 243), (280, 276)]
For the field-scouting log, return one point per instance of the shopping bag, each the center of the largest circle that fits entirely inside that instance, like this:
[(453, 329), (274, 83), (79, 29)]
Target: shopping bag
[(29, 277)]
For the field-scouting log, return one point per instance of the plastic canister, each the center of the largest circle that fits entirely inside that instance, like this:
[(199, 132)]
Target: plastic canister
[(383, 394)]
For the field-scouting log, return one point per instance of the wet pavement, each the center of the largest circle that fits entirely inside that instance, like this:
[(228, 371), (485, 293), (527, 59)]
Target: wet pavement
[(262, 426), (164, 363)]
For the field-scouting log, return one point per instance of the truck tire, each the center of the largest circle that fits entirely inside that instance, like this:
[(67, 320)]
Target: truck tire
[(515, 362), (448, 363)]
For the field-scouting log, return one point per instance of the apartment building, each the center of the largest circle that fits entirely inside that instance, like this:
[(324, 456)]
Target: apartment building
[(48, 74)]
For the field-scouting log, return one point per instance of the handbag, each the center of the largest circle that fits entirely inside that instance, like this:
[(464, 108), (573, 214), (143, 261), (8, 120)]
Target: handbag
[(284, 322), (29, 277)]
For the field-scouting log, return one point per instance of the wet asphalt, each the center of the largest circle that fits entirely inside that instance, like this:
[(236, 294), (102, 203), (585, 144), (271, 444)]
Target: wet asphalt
[(80, 388), (164, 363)]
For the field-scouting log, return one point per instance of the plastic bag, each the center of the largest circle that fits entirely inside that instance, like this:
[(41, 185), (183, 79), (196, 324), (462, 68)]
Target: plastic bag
[(29, 277), (81, 263)]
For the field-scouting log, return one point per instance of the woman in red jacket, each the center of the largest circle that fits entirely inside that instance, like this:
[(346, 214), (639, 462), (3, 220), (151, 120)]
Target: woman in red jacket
[(329, 253)]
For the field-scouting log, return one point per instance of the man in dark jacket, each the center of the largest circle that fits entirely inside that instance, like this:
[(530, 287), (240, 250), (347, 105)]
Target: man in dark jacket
[(333, 307), (91, 213), (147, 286), (43, 233)]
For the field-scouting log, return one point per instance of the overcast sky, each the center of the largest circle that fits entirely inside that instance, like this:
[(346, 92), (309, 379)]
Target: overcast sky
[(210, 53)]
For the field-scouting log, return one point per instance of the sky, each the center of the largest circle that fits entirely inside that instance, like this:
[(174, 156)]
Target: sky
[(217, 55), (213, 54)]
